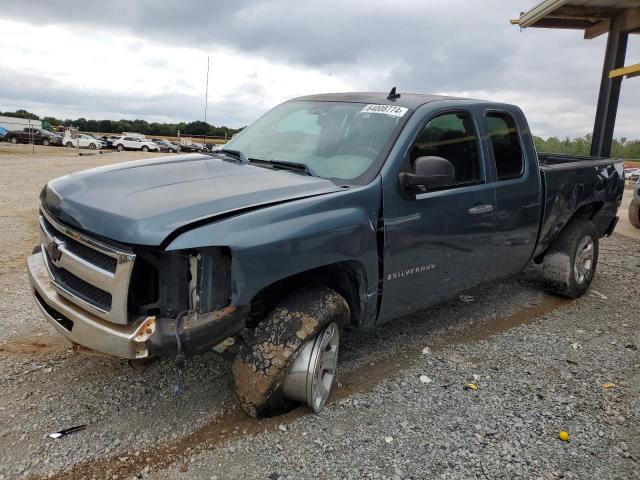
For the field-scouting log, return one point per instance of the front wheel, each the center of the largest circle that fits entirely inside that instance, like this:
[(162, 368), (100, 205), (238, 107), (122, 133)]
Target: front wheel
[(634, 213), (120, 148), (14, 140), (291, 356), (92, 146), (45, 142), (570, 262), (145, 148), (69, 145)]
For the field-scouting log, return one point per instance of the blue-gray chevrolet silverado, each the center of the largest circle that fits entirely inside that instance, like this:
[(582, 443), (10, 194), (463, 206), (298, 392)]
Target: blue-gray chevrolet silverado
[(330, 211)]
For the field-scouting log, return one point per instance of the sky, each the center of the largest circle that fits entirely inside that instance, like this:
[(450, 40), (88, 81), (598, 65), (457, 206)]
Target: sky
[(112, 59)]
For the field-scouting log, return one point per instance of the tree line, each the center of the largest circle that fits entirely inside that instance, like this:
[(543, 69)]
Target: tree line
[(621, 148), (137, 126)]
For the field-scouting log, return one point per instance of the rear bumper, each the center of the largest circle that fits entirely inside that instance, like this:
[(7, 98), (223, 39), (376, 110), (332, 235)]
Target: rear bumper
[(83, 328), (143, 338)]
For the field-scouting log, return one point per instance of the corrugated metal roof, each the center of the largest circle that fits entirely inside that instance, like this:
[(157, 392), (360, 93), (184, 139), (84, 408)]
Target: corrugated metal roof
[(578, 14)]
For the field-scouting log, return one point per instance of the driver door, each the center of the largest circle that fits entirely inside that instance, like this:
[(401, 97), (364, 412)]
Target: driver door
[(440, 243)]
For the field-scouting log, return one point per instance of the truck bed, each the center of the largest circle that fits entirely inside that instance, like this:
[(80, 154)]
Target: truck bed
[(582, 185)]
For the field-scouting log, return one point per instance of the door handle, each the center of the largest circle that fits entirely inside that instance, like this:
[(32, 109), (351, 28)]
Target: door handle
[(480, 209)]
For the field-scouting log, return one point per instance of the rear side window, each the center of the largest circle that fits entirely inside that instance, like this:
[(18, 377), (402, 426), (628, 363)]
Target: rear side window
[(505, 141), (452, 136)]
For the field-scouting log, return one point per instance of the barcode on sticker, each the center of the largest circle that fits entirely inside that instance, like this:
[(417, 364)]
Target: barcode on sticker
[(385, 110)]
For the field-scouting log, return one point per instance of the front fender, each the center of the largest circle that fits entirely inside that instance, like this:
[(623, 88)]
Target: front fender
[(276, 242)]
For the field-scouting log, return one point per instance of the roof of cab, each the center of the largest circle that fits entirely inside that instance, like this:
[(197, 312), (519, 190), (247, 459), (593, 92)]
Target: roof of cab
[(408, 100)]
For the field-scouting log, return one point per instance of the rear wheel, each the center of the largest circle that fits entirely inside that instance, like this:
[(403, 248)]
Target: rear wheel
[(120, 147), (45, 142), (92, 146), (145, 148), (634, 213), (291, 356), (69, 145), (570, 262), (14, 140)]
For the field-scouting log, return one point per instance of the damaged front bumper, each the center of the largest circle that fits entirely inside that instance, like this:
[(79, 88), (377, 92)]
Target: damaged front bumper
[(142, 338)]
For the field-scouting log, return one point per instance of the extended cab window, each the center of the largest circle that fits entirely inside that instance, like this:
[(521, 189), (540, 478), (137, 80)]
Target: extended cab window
[(453, 137), (505, 141)]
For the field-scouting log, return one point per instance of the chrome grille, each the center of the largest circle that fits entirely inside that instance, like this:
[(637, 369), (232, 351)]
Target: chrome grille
[(88, 272)]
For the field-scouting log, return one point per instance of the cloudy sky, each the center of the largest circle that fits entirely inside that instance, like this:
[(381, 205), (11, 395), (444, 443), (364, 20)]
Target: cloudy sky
[(147, 59)]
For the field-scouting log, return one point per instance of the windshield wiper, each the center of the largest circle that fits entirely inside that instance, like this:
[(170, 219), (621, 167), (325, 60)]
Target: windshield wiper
[(228, 154), (284, 165)]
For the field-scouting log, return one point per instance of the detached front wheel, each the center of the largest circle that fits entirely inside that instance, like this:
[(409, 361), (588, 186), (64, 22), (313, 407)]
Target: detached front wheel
[(570, 263), (291, 356)]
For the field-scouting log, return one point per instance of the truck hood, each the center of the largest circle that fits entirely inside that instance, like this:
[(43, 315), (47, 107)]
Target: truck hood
[(143, 202)]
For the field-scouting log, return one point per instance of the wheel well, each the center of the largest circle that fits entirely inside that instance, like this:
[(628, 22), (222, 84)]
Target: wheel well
[(348, 278)]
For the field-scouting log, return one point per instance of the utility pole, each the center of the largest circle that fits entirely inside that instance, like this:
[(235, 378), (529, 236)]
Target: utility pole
[(206, 102)]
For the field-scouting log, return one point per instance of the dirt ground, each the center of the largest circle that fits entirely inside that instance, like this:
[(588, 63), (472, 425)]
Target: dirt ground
[(542, 363)]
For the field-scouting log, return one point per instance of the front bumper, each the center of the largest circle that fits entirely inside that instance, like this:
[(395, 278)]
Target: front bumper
[(142, 338), (83, 328)]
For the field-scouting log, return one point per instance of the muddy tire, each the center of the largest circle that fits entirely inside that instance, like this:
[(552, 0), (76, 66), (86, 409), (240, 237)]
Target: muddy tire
[(570, 262), (634, 213), (268, 351)]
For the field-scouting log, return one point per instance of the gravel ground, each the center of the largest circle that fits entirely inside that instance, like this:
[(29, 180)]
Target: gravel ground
[(540, 364)]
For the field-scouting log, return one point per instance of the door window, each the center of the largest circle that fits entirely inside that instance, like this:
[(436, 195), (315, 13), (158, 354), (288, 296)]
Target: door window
[(453, 137), (505, 141)]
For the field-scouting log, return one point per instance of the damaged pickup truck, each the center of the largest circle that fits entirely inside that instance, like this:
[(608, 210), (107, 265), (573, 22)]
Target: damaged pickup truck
[(329, 212)]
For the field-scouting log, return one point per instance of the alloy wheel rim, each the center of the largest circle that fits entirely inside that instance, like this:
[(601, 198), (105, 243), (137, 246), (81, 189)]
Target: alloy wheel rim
[(311, 375), (323, 370), (584, 259)]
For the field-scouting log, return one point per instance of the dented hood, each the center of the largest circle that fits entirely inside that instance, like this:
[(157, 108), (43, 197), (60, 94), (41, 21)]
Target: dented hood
[(143, 202)]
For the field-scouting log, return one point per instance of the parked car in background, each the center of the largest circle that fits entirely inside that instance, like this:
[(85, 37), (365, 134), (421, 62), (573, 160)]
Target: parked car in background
[(3, 132), (83, 141), (135, 143), (633, 174), (35, 135), (634, 206), (189, 148), (165, 145)]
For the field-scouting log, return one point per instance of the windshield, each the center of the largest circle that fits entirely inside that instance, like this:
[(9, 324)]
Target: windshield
[(337, 140)]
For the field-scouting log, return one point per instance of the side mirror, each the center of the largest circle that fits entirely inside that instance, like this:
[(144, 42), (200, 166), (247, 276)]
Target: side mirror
[(429, 172)]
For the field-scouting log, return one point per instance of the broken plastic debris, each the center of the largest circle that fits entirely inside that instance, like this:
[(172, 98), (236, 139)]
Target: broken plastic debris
[(388, 439), (470, 386), (609, 385), (425, 379), (67, 431), (426, 351), (466, 298), (476, 377), (282, 428), (564, 436)]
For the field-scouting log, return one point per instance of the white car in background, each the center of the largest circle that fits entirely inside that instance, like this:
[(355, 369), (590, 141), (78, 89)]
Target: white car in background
[(83, 141), (134, 143)]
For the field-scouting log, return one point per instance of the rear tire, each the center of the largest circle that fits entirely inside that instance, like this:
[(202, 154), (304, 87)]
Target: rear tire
[(69, 145), (120, 148), (92, 146), (45, 142), (14, 140), (570, 262), (634, 213), (269, 350), (145, 148)]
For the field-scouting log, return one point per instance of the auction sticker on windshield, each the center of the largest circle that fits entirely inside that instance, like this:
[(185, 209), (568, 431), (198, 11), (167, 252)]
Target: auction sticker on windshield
[(385, 109)]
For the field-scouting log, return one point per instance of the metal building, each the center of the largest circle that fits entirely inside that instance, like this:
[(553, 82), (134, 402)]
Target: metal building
[(617, 19)]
